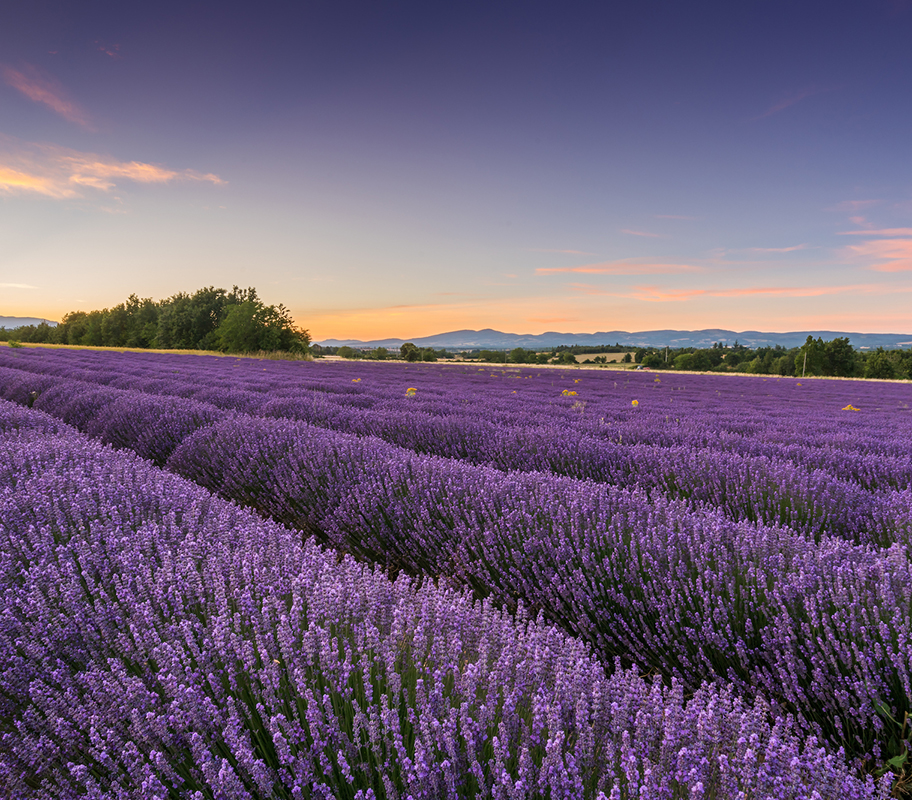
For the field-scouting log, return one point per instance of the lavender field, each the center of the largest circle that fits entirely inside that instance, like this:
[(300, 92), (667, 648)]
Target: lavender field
[(230, 578)]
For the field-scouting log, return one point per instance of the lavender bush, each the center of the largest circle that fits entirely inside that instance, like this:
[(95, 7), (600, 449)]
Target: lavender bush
[(745, 529), (161, 643)]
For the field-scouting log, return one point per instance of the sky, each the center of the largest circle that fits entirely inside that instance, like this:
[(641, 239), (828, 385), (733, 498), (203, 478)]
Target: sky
[(400, 169)]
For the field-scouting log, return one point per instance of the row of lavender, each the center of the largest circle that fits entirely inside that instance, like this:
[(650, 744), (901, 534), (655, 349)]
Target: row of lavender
[(160, 643), (820, 628), (733, 402), (714, 450)]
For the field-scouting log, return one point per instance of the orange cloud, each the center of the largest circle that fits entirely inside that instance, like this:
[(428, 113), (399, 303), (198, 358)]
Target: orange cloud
[(621, 268), (45, 90), (62, 173), (12, 180), (655, 294)]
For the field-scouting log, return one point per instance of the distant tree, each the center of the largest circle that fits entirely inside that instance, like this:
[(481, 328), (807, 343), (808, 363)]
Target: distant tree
[(841, 357), (880, 364), (410, 352), (251, 326), (627, 358), (519, 355), (348, 352), (684, 361)]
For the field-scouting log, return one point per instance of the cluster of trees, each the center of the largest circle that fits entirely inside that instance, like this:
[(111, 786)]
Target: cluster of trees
[(209, 319), (408, 352), (835, 358)]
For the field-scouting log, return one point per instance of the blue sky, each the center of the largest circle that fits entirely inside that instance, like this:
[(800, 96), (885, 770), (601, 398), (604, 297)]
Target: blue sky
[(401, 169)]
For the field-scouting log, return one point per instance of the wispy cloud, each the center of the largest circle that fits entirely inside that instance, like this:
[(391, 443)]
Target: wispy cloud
[(852, 206), (884, 255), (641, 233), (879, 232), (658, 294), (62, 173), (17, 286), (44, 89), (565, 252), (890, 254), (112, 50), (621, 268), (648, 293), (778, 249), (13, 180), (789, 101), (794, 291)]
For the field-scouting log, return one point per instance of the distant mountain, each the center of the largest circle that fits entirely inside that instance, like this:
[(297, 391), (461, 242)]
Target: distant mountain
[(496, 340), (18, 322)]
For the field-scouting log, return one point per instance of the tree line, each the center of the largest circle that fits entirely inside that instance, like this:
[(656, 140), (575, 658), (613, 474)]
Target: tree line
[(209, 319), (816, 357)]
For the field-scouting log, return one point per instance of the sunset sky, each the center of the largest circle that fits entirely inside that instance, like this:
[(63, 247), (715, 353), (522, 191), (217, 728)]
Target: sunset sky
[(399, 169)]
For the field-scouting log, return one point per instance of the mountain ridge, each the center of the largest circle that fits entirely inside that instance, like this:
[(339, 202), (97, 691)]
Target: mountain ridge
[(491, 339), (19, 322)]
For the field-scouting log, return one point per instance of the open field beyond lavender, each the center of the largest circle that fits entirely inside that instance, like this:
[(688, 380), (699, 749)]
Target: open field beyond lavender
[(295, 579)]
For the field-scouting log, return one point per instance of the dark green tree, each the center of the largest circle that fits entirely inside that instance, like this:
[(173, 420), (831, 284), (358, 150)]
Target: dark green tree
[(251, 326), (880, 364), (410, 352), (840, 357)]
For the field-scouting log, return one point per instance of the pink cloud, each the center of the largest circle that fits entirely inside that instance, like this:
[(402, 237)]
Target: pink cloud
[(778, 249), (794, 291), (657, 294), (112, 50), (45, 90), (853, 206), (879, 232), (565, 252), (621, 268), (789, 101), (885, 255), (641, 233)]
